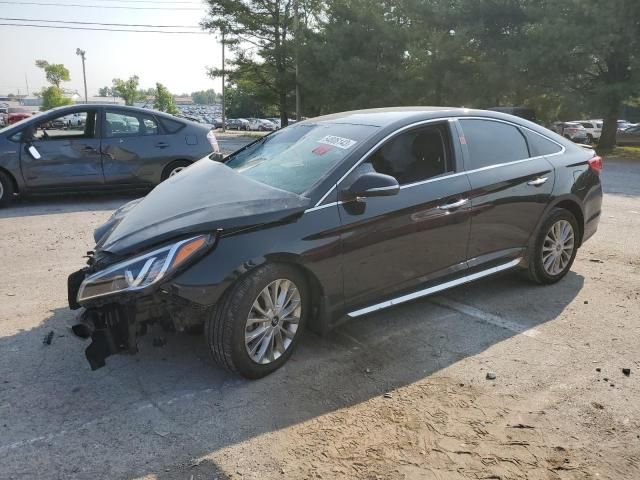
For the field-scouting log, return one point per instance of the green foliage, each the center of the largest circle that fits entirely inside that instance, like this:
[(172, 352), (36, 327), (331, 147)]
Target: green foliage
[(127, 89), (56, 73), (164, 100), (105, 92), (53, 97), (205, 97)]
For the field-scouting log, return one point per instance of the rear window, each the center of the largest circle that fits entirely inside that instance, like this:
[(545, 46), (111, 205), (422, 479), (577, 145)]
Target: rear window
[(492, 143), (540, 145), (171, 126)]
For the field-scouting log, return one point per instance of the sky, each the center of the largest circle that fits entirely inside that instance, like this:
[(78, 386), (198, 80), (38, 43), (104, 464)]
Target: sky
[(177, 61)]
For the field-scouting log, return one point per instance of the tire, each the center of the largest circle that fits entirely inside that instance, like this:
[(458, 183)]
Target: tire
[(6, 190), (176, 167), (590, 139), (539, 271), (227, 326)]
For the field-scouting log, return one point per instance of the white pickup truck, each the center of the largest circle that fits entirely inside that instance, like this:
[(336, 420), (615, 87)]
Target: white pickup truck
[(75, 119)]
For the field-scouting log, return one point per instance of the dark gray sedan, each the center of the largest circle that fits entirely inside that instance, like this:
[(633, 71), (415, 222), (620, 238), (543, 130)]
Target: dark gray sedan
[(91, 147)]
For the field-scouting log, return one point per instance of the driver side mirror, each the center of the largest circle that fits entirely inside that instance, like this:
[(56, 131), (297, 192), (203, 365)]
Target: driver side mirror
[(371, 185), (217, 157)]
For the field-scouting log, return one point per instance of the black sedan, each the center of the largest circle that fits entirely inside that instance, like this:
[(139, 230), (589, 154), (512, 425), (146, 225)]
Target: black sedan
[(109, 147), (336, 216)]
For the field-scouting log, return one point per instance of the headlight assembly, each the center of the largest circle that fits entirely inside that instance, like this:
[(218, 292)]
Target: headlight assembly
[(143, 270)]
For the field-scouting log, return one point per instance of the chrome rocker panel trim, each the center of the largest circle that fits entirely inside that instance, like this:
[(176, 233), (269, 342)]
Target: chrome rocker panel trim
[(436, 288)]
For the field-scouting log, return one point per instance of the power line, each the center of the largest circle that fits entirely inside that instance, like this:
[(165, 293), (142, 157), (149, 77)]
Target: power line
[(98, 6), (151, 1), (97, 23), (66, 27)]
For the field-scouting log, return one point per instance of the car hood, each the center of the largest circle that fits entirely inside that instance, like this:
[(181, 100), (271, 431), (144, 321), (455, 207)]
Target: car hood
[(205, 197)]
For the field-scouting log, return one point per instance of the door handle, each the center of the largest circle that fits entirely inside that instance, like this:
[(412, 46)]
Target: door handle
[(450, 206), (538, 181), (89, 148), (162, 145)]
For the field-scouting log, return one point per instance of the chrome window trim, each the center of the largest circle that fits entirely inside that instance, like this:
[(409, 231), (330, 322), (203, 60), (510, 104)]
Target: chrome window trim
[(434, 289), (563, 149)]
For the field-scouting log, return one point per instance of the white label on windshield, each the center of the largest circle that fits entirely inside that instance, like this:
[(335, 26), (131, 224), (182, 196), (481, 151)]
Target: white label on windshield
[(339, 142)]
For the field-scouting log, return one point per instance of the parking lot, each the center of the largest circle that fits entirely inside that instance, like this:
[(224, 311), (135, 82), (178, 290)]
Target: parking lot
[(398, 394)]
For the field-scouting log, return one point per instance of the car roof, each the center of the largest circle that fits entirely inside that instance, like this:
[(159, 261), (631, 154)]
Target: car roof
[(383, 117)]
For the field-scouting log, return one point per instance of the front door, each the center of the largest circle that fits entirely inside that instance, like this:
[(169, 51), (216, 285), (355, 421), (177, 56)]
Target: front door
[(59, 154), (396, 243), (511, 186)]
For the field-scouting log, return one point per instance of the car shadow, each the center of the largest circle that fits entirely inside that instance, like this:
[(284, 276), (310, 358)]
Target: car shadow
[(39, 205), (167, 410)]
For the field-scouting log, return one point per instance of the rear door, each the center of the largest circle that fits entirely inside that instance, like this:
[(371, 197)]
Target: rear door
[(397, 243), (511, 187), (62, 155), (134, 147)]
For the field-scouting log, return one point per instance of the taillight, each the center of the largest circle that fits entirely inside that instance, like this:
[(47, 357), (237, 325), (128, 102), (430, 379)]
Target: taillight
[(595, 164)]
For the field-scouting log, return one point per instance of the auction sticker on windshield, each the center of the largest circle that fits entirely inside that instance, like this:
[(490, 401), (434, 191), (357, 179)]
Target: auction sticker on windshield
[(339, 142)]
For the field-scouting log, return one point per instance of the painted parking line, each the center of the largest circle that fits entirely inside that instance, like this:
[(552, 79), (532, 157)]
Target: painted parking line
[(484, 317)]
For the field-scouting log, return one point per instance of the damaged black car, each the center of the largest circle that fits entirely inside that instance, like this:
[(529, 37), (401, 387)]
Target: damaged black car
[(334, 217)]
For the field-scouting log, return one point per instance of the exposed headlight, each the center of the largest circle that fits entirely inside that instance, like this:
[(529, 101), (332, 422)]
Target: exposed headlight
[(144, 270)]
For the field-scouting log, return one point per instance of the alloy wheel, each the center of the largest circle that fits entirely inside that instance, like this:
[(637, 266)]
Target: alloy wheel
[(273, 321), (557, 248), (1, 191)]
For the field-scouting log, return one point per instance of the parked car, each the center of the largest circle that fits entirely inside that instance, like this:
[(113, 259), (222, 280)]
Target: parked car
[(623, 125), (593, 128), (571, 130), (276, 121), (117, 147), (75, 120), (336, 216), (262, 125), (237, 124), (15, 114), (629, 136)]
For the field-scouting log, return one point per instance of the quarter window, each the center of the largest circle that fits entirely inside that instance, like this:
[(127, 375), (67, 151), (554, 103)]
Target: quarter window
[(492, 143), (120, 124), (540, 145)]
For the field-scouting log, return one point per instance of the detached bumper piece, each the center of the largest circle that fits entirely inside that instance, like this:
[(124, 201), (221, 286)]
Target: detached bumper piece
[(112, 329)]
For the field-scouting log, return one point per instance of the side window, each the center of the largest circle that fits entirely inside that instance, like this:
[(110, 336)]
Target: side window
[(171, 126), (540, 145), (492, 143), (70, 126), (121, 124), (413, 156)]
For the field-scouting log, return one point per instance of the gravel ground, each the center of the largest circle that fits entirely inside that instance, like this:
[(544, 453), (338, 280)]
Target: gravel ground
[(559, 407)]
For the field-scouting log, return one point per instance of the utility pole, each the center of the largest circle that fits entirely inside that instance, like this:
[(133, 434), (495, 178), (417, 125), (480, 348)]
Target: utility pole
[(84, 74), (224, 117), (296, 31), (27, 83)]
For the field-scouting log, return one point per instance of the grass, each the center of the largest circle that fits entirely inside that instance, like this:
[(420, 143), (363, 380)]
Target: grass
[(625, 152)]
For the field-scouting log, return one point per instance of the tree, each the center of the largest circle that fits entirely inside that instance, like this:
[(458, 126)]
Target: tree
[(56, 73), (260, 34), (105, 92), (602, 67), (205, 97), (164, 100), (127, 89), (53, 97)]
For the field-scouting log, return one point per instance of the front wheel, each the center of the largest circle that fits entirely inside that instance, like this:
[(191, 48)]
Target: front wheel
[(6, 190), (258, 323), (555, 248), (174, 168)]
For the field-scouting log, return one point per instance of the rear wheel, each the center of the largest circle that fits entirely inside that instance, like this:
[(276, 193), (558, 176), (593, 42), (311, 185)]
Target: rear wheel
[(555, 248), (6, 190), (174, 168), (590, 139), (257, 324)]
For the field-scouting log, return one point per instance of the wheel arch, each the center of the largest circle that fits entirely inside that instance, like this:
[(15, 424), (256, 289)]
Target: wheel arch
[(165, 169), (12, 179), (576, 210)]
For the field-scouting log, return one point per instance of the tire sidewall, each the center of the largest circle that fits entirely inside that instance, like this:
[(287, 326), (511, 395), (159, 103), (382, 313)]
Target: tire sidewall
[(556, 215), (6, 193), (173, 165), (244, 296)]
